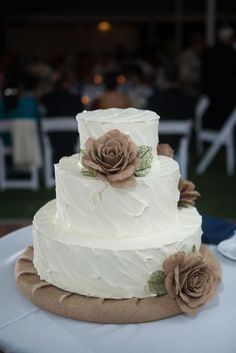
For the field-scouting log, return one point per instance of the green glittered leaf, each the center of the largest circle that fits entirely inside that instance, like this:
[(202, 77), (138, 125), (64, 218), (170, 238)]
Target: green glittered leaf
[(146, 157), (194, 248), (85, 171), (183, 203), (156, 283), (83, 152)]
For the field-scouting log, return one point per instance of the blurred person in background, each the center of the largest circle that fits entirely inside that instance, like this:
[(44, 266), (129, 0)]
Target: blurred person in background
[(172, 103), (18, 100), (61, 102), (219, 79), (104, 62), (112, 97), (19, 105), (137, 82), (190, 64), (43, 73)]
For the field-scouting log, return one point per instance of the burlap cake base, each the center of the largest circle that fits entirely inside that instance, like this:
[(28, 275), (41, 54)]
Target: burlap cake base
[(92, 309)]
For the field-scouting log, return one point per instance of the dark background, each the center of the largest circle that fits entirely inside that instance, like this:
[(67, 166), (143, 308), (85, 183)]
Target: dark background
[(163, 23)]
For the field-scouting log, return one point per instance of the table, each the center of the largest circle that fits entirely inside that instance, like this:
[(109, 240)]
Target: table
[(25, 328)]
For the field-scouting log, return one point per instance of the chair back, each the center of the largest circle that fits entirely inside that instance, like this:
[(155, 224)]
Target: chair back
[(175, 127), (182, 128), (51, 125), (230, 122), (201, 107), (5, 125), (59, 124), (223, 137)]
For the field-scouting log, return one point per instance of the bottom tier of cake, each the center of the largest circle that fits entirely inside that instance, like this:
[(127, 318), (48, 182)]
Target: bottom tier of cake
[(94, 309), (107, 267)]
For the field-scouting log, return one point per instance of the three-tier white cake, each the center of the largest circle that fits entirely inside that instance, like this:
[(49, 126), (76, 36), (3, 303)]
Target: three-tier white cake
[(102, 241)]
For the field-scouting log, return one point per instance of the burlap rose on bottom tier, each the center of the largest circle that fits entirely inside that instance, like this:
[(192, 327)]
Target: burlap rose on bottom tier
[(190, 280), (113, 157)]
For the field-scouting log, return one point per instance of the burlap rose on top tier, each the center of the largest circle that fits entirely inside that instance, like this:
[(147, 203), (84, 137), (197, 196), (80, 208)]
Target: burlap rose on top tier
[(113, 157), (190, 280)]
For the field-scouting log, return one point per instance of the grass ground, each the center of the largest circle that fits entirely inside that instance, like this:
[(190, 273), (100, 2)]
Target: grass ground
[(217, 189)]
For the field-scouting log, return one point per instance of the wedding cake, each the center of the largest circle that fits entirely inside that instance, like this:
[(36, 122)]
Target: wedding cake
[(115, 227)]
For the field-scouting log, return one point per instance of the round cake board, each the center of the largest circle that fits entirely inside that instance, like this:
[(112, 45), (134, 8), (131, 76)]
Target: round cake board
[(93, 309)]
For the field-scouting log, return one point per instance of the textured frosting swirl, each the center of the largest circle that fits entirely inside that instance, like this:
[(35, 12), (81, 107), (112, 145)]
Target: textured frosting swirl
[(140, 125), (116, 115)]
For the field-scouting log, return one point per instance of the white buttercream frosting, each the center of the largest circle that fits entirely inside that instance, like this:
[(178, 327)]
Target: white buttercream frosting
[(98, 209), (107, 267), (101, 241), (140, 125)]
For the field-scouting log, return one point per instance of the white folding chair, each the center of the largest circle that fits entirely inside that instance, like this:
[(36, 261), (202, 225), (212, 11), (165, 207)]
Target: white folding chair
[(50, 125), (202, 135), (7, 183), (223, 137), (182, 128)]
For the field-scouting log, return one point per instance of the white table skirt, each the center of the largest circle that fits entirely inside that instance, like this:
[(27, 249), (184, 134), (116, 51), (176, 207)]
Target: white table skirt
[(25, 328)]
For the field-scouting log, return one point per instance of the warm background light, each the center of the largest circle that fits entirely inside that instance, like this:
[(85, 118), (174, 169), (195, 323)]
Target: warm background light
[(98, 79), (120, 79), (104, 26), (85, 100)]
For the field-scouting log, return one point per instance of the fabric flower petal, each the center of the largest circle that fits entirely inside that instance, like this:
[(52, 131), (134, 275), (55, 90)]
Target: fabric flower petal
[(114, 156), (189, 280)]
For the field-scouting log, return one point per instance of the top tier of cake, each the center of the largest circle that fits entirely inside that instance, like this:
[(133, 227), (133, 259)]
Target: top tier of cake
[(140, 125)]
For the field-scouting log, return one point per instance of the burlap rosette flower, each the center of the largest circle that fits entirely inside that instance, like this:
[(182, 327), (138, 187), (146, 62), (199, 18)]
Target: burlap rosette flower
[(113, 157), (188, 193), (190, 280), (164, 149), (186, 278)]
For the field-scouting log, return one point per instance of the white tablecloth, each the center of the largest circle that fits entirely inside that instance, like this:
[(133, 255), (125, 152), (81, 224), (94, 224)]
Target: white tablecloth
[(25, 328)]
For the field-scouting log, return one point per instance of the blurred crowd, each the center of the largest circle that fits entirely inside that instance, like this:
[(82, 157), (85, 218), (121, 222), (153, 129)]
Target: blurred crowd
[(33, 88)]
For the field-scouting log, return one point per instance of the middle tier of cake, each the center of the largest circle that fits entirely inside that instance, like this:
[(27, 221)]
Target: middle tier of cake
[(98, 209)]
